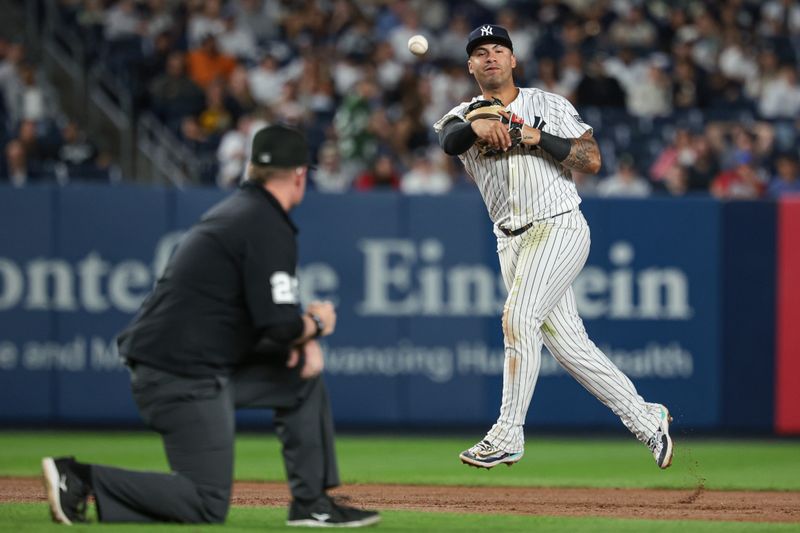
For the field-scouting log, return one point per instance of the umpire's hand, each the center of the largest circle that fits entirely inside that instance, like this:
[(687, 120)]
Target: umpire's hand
[(313, 360)]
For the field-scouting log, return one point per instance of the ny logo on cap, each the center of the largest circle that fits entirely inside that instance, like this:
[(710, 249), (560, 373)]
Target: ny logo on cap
[(265, 158), (486, 30)]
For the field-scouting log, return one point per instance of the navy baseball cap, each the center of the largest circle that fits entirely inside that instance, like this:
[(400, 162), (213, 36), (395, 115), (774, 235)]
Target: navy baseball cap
[(279, 146), (488, 33)]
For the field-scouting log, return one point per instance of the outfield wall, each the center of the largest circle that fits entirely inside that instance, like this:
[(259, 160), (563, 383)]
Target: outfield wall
[(680, 293)]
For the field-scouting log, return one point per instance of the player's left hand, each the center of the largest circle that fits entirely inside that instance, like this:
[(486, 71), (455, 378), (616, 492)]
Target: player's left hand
[(530, 135), (313, 362)]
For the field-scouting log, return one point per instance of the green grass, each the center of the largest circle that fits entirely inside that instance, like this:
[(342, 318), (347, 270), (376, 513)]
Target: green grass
[(578, 462), (33, 517), (583, 462)]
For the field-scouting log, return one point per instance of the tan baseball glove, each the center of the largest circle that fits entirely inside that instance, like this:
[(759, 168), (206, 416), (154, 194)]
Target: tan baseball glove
[(490, 109)]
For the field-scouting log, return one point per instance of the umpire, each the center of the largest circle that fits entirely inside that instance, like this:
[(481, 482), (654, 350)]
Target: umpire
[(223, 329)]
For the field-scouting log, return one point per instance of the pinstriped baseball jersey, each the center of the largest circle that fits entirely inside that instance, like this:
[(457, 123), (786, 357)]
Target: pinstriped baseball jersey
[(524, 185)]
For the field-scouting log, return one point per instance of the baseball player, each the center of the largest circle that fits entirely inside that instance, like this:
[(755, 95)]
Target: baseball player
[(223, 329), (519, 145)]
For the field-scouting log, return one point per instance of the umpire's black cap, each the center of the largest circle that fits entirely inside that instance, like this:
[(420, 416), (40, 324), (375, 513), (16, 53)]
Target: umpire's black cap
[(279, 146), (488, 33)]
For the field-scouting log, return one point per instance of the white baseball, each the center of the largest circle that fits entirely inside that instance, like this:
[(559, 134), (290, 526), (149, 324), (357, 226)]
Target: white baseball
[(418, 45)]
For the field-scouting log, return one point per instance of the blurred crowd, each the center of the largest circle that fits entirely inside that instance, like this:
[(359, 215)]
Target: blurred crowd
[(686, 96)]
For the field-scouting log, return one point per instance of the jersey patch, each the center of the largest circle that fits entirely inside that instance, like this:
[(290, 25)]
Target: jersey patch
[(285, 288)]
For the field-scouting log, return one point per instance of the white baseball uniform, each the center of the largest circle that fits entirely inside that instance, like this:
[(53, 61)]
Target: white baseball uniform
[(528, 186)]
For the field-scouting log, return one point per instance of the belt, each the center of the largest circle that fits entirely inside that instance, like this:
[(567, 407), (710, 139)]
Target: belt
[(515, 232)]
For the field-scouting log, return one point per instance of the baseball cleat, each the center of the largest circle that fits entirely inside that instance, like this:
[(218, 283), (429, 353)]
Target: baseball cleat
[(485, 455), (325, 512), (66, 493), (661, 443)]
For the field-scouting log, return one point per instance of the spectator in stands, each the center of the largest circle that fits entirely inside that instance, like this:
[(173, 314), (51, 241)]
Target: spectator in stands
[(679, 152), (357, 142), (266, 81), (122, 21), (239, 91), (195, 138), (216, 117), (689, 86), (174, 95), (235, 40), (76, 153), (548, 79), (742, 181), (625, 182), (597, 89), (207, 64), (381, 175), (633, 30), (331, 174), (18, 172), (780, 97), (204, 21), (13, 56), (675, 181), (704, 167), (424, 177), (29, 102), (232, 153), (261, 18), (787, 176), (400, 35)]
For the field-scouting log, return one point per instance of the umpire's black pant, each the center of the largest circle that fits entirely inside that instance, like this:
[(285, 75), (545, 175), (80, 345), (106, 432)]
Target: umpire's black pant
[(195, 417)]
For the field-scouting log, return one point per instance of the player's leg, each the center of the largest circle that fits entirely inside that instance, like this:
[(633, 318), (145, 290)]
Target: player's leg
[(195, 420), (304, 424), (566, 338), (541, 266)]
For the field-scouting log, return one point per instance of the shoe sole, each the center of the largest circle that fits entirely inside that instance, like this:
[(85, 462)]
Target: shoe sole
[(316, 523), (50, 475), (508, 461), (670, 447)]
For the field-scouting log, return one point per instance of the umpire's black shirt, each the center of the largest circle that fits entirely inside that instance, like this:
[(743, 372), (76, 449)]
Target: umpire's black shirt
[(231, 277)]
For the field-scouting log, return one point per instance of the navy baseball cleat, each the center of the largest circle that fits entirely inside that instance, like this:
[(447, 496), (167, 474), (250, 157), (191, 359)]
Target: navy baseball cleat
[(661, 443), (325, 512), (66, 491), (485, 455)]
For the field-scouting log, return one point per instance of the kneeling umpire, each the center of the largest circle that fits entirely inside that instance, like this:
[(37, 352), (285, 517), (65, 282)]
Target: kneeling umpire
[(223, 330)]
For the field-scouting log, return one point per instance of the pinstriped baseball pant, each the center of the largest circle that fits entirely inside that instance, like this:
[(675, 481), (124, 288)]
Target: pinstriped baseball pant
[(538, 269)]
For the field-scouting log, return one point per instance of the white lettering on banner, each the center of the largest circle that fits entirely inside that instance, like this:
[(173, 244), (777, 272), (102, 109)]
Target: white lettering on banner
[(435, 363), (401, 277), (391, 288), (440, 364), (11, 284), (8, 355)]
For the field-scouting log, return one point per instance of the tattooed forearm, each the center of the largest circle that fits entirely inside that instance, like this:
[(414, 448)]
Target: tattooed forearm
[(584, 156)]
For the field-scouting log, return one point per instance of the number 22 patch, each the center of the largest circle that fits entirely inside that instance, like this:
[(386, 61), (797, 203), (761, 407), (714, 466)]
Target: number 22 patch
[(284, 288)]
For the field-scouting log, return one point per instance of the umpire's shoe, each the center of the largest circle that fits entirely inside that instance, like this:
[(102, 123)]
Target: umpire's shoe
[(67, 492), (661, 443), (486, 455), (325, 512)]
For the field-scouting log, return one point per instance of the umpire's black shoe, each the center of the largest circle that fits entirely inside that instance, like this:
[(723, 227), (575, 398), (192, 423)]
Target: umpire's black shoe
[(325, 512), (66, 491)]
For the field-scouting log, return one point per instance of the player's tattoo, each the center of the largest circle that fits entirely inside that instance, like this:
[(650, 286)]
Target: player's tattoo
[(584, 155)]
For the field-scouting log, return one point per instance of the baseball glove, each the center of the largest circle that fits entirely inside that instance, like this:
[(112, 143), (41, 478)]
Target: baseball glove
[(490, 109)]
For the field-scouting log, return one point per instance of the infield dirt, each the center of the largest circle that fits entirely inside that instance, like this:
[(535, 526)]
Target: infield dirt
[(697, 504)]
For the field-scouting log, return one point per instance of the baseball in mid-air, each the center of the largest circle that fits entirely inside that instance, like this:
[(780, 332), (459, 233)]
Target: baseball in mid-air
[(418, 45)]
